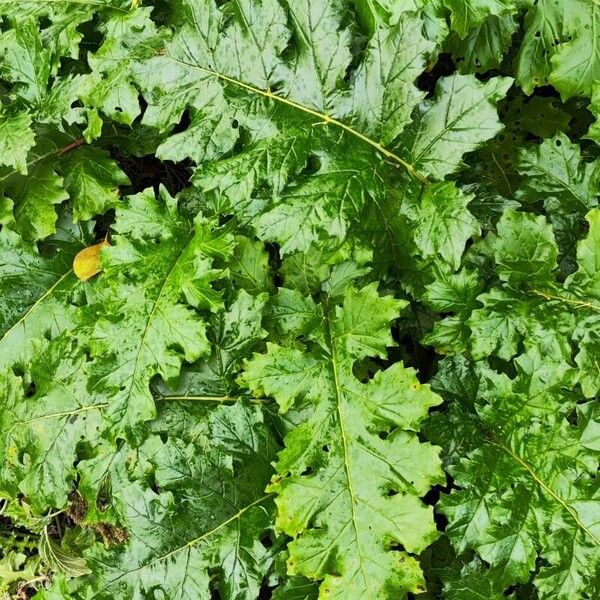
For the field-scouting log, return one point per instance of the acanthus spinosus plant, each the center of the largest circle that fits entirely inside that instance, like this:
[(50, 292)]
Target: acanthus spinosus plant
[(300, 299)]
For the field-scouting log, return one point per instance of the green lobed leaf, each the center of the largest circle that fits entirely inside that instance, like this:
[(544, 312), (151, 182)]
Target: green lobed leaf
[(462, 116), (444, 223), (233, 334), (129, 36), (59, 168), (314, 145), (383, 93), (525, 249), (38, 290), (208, 517), (92, 180), (556, 173), (485, 46), (335, 149), (559, 47), (340, 496), (468, 14), (44, 418), (547, 499), (16, 139), (157, 277)]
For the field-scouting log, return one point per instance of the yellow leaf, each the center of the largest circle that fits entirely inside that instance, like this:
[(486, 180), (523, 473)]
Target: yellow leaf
[(87, 262)]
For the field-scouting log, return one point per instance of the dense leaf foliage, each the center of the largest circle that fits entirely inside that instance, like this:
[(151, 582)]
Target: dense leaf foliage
[(299, 299)]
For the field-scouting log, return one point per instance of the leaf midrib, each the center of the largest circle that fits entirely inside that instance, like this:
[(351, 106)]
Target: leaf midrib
[(56, 151), (81, 2), (565, 185), (572, 301), (324, 118), (338, 403), (168, 275), (192, 542), (36, 304), (448, 125), (544, 486)]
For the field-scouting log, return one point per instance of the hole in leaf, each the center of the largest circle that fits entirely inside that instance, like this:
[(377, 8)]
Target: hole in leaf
[(266, 592), (443, 67), (511, 590), (313, 165), (397, 547), (148, 171), (184, 122)]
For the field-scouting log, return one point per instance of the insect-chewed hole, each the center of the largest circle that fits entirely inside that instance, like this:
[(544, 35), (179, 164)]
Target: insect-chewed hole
[(397, 547)]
